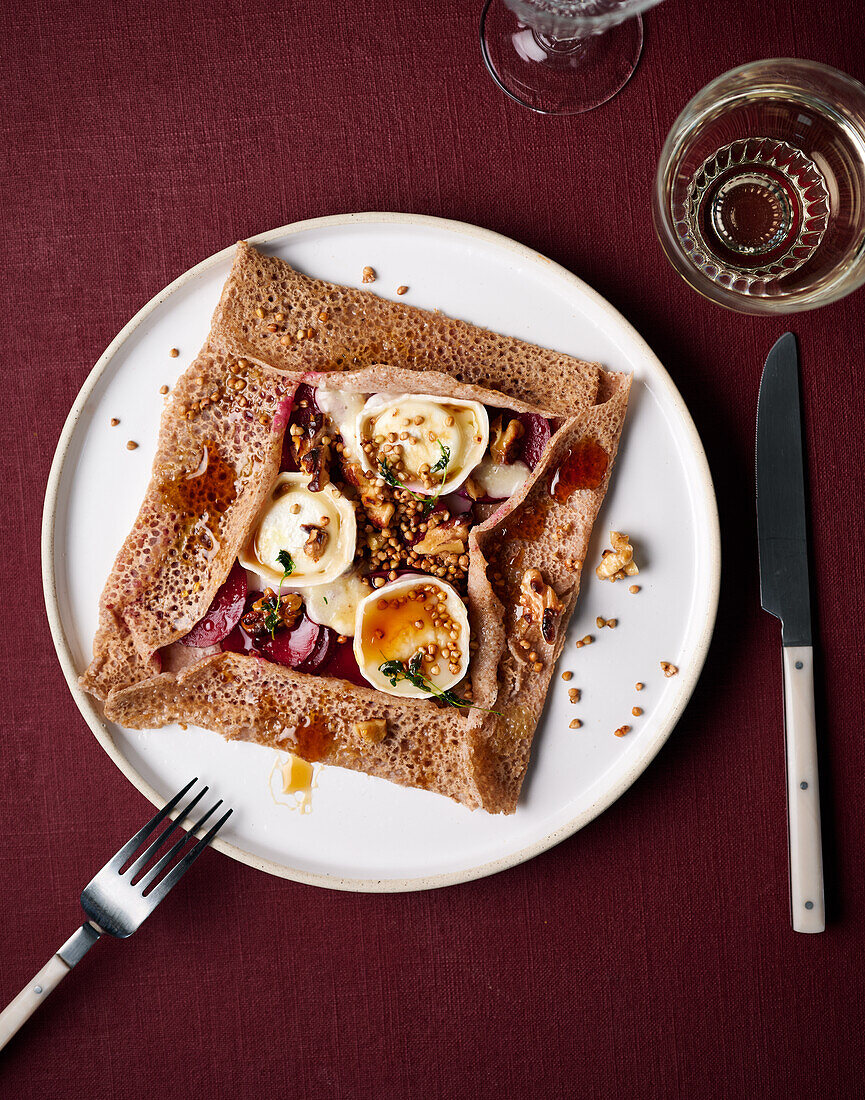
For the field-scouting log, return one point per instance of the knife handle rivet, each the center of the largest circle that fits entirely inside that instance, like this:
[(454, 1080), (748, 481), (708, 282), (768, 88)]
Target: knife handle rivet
[(799, 664), (804, 785), (809, 904)]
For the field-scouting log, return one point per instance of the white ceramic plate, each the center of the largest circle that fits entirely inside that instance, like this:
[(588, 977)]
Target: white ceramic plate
[(363, 833)]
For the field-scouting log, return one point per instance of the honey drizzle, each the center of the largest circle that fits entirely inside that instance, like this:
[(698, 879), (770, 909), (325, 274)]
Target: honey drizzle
[(583, 467)]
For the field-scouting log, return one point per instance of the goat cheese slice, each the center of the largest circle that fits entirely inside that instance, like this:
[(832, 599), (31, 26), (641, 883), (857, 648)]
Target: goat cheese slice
[(413, 615), (429, 444), (318, 530)]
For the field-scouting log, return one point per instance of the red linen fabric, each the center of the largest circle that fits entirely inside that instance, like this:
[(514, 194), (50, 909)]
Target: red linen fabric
[(649, 955)]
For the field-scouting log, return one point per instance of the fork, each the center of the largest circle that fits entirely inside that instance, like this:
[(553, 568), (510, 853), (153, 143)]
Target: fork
[(116, 902)]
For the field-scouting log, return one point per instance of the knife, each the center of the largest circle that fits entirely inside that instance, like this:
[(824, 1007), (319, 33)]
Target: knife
[(785, 593)]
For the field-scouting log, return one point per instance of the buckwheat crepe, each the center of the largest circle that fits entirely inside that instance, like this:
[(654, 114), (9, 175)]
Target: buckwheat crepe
[(219, 451)]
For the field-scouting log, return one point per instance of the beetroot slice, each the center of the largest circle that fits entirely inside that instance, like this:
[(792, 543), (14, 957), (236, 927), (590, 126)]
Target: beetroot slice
[(283, 412), (343, 664), (537, 436), (224, 613), (238, 641), (324, 646), (293, 647), (305, 393)]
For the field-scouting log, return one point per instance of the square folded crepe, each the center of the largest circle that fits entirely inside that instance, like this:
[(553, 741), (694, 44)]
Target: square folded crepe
[(219, 453)]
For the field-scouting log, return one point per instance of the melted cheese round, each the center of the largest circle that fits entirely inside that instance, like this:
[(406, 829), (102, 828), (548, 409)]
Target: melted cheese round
[(413, 614), (289, 507), (335, 604), (434, 443)]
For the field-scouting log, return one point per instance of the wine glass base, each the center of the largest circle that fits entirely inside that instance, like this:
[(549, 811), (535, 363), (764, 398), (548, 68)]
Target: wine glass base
[(557, 77)]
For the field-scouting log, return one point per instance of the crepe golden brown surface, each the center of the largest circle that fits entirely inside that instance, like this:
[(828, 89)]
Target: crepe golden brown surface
[(219, 451)]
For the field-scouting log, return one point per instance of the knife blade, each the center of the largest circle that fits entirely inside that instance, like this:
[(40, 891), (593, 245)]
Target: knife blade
[(785, 593), (781, 529)]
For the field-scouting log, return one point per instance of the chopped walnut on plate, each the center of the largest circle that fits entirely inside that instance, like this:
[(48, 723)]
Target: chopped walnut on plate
[(618, 563)]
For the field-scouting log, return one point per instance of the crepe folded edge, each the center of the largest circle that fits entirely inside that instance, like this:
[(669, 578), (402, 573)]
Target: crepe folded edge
[(270, 312)]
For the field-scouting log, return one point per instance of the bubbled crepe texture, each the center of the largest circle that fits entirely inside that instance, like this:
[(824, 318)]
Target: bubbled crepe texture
[(367, 344)]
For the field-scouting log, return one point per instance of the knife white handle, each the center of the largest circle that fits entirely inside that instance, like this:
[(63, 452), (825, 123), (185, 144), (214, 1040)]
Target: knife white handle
[(803, 791)]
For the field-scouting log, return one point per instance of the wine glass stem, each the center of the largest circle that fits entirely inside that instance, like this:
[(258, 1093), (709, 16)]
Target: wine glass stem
[(559, 47)]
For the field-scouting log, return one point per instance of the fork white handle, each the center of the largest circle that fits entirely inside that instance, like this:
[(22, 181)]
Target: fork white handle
[(19, 1010), (803, 791)]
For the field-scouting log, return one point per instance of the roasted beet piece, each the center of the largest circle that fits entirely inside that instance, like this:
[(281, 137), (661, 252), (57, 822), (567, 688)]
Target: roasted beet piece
[(537, 436), (342, 663), (292, 647), (223, 614)]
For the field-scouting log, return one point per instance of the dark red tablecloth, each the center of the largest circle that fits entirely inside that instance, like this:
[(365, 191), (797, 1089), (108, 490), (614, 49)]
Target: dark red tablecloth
[(649, 955)]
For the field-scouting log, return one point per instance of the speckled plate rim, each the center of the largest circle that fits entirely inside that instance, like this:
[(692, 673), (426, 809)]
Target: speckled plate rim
[(689, 675)]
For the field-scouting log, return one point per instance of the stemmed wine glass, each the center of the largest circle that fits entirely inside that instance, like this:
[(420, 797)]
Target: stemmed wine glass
[(562, 57)]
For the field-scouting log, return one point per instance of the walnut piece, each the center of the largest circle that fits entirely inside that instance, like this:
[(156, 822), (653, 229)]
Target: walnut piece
[(379, 510), (317, 541), (668, 669), (540, 604), (618, 563), (316, 462), (444, 538), (374, 731), (375, 540), (271, 611), (503, 440), (310, 446)]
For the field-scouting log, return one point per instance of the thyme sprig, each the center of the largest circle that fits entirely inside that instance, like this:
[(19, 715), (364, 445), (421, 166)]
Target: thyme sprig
[(272, 606), (287, 562), (272, 616), (396, 671), (427, 502)]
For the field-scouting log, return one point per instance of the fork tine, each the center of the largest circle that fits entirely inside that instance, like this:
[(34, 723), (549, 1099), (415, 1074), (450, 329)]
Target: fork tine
[(157, 869), (176, 873), (153, 848), (132, 846)]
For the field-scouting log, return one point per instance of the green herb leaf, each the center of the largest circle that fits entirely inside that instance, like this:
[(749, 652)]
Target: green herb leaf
[(287, 562), (388, 474), (445, 459), (396, 671), (427, 502), (272, 617)]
